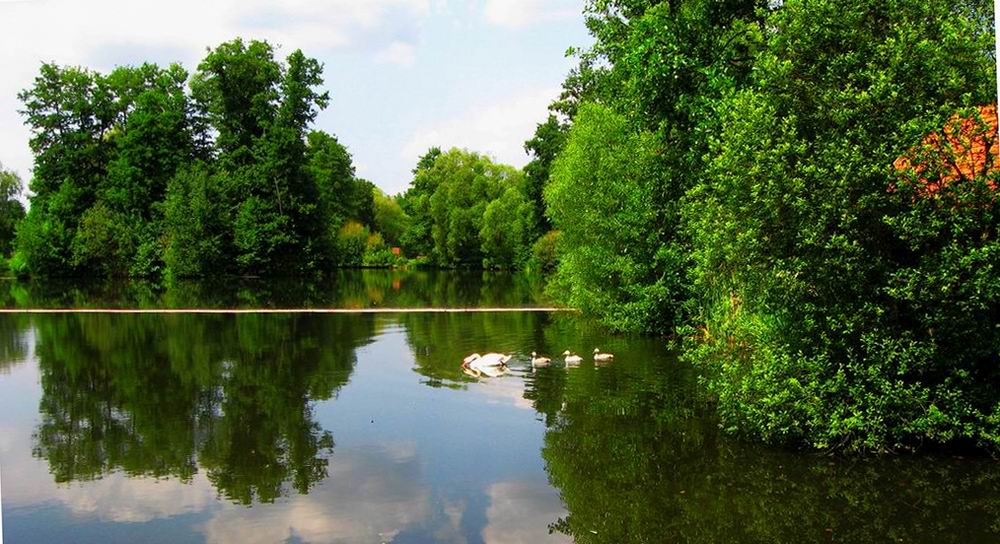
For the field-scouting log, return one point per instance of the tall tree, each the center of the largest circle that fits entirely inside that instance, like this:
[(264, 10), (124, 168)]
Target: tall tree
[(645, 90), (465, 183), (11, 209), (261, 110), (69, 112), (416, 203), (544, 147)]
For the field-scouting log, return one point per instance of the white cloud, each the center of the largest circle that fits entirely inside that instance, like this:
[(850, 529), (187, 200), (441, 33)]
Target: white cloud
[(505, 390), (371, 495), (401, 53), (520, 13), (520, 513), (498, 129), (123, 499)]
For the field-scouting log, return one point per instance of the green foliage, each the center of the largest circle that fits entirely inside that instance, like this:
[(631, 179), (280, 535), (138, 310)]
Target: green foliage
[(612, 264), (447, 203), (545, 253), (390, 219), (548, 140), (11, 209), (105, 146), (104, 241), (644, 95), (261, 110), (196, 225), (508, 230), (739, 170), (465, 185), (379, 255), (842, 306), (343, 196), (352, 241), (114, 192), (416, 239), (44, 237)]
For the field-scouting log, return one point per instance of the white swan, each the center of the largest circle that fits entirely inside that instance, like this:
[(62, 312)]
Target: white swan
[(598, 356), (572, 359), (491, 364), (539, 361)]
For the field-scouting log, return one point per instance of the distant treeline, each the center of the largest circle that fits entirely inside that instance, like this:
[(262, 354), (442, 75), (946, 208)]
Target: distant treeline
[(152, 172)]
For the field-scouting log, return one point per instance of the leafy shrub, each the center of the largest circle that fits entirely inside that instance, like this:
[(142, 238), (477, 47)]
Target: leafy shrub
[(352, 241), (378, 254), (545, 253), (840, 306)]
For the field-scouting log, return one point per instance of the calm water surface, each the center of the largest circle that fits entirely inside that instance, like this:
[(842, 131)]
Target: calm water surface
[(361, 428)]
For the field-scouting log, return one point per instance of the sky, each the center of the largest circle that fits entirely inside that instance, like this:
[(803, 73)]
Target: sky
[(403, 75)]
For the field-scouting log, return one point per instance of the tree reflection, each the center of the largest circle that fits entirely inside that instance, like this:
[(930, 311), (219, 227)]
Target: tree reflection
[(440, 341), (13, 344), (630, 446), (635, 461), (342, 289), (161, 395)]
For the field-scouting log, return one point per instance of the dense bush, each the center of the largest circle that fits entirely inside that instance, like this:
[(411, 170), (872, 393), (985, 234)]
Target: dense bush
[(352, 241), (378, 254), (843, 306), (545, 253)]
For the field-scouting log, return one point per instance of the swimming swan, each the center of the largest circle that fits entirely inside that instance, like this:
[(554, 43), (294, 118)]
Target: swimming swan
[(598, 356), (571, 359), (491, 364), (539, 361)]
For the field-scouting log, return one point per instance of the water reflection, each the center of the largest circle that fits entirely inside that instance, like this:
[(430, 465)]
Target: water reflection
[(343, 289), (13, 341), (160, 395), (635, 461), (145, 425)]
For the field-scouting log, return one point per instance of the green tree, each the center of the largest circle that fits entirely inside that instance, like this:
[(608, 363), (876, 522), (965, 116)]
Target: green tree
[(105, 146), (11, 209), (603, 198), (838, 311), (651, 78), (416, 240), (390, 219), (261, 110), (70, 111), (330, 166), (508, 229), (465, 183), (197, 225), (548, 140)]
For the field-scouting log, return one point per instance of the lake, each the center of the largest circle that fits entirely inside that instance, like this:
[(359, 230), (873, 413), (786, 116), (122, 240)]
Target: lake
[(260, 427)]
